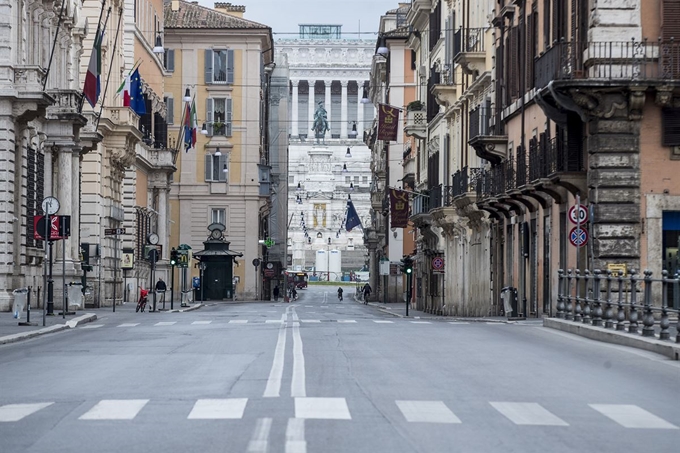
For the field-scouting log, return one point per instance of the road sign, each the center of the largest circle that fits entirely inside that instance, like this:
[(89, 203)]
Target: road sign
[(578, 215), (114, 231), (617, 269), (438, 264), (578, 237)]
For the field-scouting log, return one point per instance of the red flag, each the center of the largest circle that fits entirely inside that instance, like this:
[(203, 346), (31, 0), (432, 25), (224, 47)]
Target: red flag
[(388, 122)]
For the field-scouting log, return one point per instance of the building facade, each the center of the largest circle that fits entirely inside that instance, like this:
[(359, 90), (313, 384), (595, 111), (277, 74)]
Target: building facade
[(223, 64), (331, 72)]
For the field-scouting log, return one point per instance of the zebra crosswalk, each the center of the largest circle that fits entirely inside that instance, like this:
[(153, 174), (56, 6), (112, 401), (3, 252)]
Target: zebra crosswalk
[(627, 416)]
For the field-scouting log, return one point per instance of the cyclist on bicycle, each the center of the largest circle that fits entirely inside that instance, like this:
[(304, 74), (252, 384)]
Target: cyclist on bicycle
[(340, 293)]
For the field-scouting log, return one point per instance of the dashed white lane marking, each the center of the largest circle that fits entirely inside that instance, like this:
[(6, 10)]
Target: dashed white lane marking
[(427, 412), (458, 322), (295, 436), (238, 321), (129, 324), (273, 387), (310, 320), (528, 414), (377, 321), (201, 323), (322, 408), (309, 306), (421, 322), (631, 416), (114, 410), (165, 323), (15, 412), (218, 409), (298, 386), (344, 321), (92, 326), (273, 321), (260, 440), (494, 323)]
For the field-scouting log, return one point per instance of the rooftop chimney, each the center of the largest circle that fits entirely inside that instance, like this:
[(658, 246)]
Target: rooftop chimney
[(174, 5), (228, 8)]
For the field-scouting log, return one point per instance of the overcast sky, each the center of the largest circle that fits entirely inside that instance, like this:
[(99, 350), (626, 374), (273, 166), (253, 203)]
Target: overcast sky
[(285, 15)]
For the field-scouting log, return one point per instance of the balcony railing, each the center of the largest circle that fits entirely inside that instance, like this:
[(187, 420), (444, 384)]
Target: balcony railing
[(436, 198), (521, 167), (549, 156), (627, 60), (467, 180), (468, 40), (421, 204), (480, 121)]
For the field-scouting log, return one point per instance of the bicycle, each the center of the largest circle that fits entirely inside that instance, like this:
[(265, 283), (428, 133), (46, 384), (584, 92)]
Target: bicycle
[(143, 299)]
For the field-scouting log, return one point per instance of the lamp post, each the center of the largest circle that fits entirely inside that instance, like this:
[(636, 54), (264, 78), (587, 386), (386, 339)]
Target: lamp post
[(329, 259)]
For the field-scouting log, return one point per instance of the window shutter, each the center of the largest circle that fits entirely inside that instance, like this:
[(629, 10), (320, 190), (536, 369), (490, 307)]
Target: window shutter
[(171, 59), (208, 66), (220, 167), (170, 104), (230, 66), (209, 115), (670, 121), (228, 116), (670, 16), (208, 167), (529, 41)]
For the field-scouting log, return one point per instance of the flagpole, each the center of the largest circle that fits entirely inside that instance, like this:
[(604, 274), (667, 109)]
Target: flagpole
[(54, 44), (108, 77), (96, 37), (137, 64)]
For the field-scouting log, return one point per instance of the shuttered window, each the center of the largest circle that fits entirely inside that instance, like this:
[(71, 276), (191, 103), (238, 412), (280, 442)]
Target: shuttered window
[(169, 60), (219, 116), (531, 44), (513, 64), (170, 107), (670, 20), (219, 66), (214, 168), (670, 121)]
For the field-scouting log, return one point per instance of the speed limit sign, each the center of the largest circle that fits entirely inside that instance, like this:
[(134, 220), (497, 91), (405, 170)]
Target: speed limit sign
[(578, 214)]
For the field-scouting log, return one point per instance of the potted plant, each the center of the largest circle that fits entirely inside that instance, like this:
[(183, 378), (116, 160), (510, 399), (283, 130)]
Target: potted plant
[(415, 105)]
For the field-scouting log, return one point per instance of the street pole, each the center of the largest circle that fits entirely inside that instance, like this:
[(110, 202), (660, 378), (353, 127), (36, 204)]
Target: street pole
[(408, 292), (202, 268), (153, 276), (63, 276), (125, 287), (50, 287), (46, 237), (115, 260), (172, 286)]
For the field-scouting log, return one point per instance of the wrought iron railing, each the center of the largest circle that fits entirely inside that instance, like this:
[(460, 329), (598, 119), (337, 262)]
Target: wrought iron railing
[(602, 299), (436, 198), (468, 40), (614, 60), (421, 204), (549, 156), (521, 167), (509, 170), (537, 160), (479, 121), (467, 180)]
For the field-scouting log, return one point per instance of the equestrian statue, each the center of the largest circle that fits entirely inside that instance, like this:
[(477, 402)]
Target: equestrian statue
[(320, 125)]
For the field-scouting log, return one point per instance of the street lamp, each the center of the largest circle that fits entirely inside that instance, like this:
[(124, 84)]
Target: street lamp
[(187, 95), (158, 48), (328, 260)]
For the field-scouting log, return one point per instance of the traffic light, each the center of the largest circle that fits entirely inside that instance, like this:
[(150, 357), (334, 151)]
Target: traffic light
[(406, 265), (173, 257)]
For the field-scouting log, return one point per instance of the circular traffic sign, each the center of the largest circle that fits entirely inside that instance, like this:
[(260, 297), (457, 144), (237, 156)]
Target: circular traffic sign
[(578, 237), (438, 263), (578, 214)]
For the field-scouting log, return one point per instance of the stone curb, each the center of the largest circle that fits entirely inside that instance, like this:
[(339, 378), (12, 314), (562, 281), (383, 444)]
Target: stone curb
[(183, 310), (665, 348), (75, 322), (442, 318)]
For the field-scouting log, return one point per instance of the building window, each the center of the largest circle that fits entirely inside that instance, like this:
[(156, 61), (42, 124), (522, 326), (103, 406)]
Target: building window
[(169, 60), (356, 180), (348, 179), (214, 168), (291, 180), (170, 106), (219, 66), (218, 116), (365, 179), (218, 215)]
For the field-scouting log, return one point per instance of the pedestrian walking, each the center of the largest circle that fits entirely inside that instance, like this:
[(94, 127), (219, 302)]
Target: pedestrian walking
[(367, 292), (276, 293)]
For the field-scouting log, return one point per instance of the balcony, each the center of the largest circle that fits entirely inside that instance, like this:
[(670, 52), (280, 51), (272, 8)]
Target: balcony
[(416, 123), (31, 97), (618, 61), (420, 211), (377, 199), (465, 184), (470, 49), (483, 136), (64, 119), (554, 161), (409, 169), (119, 128), (445, 91)]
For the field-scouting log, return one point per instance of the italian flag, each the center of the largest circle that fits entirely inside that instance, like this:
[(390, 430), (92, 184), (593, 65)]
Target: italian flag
[(124, 90), (190, 125), (92, 86)]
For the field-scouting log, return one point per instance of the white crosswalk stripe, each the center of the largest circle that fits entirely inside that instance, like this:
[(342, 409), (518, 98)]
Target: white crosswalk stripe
[(91, 326), (458, 322), (528, 414), (346, 321), (238, 321), (378, 321), (218, 409), (631, 416), (310, 320), (322, 408), (427, 412), (129, 324), (114, 410), (199, 323), (165, 323), (421, 322), (15, 412), (268, 321)]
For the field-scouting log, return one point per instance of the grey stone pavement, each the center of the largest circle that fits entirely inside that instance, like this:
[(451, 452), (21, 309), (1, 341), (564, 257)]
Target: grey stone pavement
[(322, 375)]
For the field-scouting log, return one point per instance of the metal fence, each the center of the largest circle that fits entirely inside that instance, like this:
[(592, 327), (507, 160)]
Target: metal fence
[(603, 299)]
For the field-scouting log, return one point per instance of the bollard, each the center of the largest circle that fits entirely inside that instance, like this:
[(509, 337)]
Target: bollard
[(609, 310), (621, 313), (560, 294), (569, 312), (648, 317), (577, 305), (586, 300), (597, 304), (633, 325), (664, 322)]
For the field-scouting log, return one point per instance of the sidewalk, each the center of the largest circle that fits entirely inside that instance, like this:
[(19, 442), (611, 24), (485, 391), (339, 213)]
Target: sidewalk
[(11, 331)]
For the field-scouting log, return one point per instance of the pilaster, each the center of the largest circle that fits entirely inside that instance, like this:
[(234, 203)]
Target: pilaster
[(295, 131), (343, 110), (311, 106)]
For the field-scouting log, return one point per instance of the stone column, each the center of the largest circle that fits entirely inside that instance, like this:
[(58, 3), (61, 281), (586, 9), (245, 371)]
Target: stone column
[(75, 207), (47, 179), (163, 220), (343, 110), (7, 206), (295, 132), (360, 111), (327, 100), (312, 107), (65, 191)]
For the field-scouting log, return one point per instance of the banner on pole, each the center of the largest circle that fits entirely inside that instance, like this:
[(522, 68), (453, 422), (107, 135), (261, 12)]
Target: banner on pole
[(388, 122), (399, 209)]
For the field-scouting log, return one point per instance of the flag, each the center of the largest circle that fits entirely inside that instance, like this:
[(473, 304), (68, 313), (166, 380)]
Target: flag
[(194, 123), (398, 208), (187, 127), (92, 87), (353, 220), (136, 97), (124, 90), (388, 122)]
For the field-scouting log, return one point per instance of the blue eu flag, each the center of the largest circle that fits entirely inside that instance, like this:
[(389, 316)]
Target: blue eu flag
[(136, 96), (353, 220)]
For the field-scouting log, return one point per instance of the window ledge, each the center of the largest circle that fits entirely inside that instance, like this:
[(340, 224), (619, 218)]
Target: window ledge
[(219, 87)]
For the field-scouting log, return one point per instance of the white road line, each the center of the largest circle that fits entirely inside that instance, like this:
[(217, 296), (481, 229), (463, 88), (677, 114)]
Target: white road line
[(129, 324), (309, 306), (377, 321), (165, 323), (322, 408), (15, 412), (273, 388), (427, 412), (346, 320), (631, 416), (295, 436), (92, 326), (114, 410), (458, 322), (528, 414), (310, 320), (238, 321), (201, 323), (421, 322), (298, 386), (260, 440), (218, 409), (494, 323), (273, 321)]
